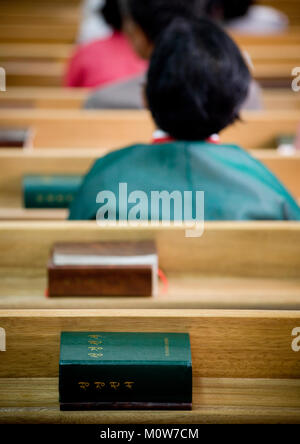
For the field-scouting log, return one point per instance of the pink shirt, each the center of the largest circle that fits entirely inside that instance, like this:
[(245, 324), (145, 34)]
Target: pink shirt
[(102, 62)]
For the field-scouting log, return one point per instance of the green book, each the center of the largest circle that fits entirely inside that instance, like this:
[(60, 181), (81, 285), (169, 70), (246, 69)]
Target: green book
[(50, 191), (125, 369)]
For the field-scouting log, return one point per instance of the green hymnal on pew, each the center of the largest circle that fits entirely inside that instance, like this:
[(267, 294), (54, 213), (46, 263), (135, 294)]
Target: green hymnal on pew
[(50, 191), (99, 371)]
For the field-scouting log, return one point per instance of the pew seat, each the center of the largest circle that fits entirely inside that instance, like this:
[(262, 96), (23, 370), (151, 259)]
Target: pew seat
[(223, 268), (97, 129), (244, 368), (74, 98), (216, 401)]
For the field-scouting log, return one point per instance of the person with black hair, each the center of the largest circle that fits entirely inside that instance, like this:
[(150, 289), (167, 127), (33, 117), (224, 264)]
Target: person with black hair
[(196, 84), (106, 60), (151, 18)]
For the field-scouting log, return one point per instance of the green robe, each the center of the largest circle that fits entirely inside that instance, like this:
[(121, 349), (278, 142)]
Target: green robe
[(236, 186)]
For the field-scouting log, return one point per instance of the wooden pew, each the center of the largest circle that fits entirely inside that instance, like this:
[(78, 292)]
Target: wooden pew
[(283, 39), (280, 99), (34, 64), (58, 33), (22, 12), (271, 67), (233, 265), (36, 52), (97, 129), (47, 74), (244, 369), (74, 98), (287, 169), (273, 62), (15, 163), (58, 98), (273, 55), (81, 129)]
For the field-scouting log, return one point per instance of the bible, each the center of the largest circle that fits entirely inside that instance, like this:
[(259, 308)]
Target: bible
[(101, 370), (50, 191), (103, 269)]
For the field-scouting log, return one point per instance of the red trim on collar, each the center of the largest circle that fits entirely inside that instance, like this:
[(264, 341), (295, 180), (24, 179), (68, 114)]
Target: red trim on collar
[(214, 139), (166, 139)]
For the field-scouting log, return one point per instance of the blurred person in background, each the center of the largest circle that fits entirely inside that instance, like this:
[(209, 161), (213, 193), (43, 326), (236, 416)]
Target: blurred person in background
[(93, 25), (128, 94), (106, 59), (143, 22), (245, 16)]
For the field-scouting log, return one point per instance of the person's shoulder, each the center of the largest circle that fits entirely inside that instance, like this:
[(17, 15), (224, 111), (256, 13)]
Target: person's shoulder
[(94, 45), (122, 154), (123, 94), (206, 145)]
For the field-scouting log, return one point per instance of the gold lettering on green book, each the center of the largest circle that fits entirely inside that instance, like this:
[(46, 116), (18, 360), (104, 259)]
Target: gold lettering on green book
[(95, 355), (83, 385), (114, 385), (93, 342), (167, 347)]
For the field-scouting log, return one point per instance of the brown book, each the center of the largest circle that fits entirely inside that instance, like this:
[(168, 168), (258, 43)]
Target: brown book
[(75, 406), (15, 138), (103, 269)]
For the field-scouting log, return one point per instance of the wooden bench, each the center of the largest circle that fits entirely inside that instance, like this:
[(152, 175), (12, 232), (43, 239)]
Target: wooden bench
[(38, 21), (45, 74), (273, 55), (97, 129), (289, 37), (34, 52), (273, 64), (15, 163), (279, 99), (244, 369), (74, 98), (272, 67), (233, 265), (64, 98), (26, 28), (22, 12)]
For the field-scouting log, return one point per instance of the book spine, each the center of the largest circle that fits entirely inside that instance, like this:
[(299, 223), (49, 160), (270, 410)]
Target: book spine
[(92, 281), (152, 383), (49, 193)]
